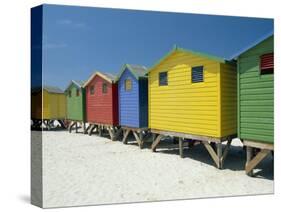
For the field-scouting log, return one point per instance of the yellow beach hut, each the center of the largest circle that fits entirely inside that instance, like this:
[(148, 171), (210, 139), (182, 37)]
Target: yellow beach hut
[(47, 105), (192, 95)]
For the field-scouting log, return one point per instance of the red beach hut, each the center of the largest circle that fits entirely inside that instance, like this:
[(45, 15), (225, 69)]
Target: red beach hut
[(102, 103)]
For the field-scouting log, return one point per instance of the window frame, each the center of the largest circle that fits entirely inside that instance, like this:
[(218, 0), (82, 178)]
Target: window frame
[(92, 90), (125, 85), (192, 70), (166, 83), (104, 88), (266, 71), (77, 92)]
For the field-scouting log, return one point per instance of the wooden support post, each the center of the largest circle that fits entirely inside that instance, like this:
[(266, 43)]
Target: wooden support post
[(225, 152), (156, 142), (91, 128), (181, 147), (99, 130), (124, 140), (111, 133), (70, 126), (76, 127), (141, 139), (219, 154), (212, 153), (249, 158), (86, 130), (84, 127), (257, 159), (137, 138)]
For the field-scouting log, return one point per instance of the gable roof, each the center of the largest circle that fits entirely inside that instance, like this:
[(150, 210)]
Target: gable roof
[(138, 71), (106, 76), (201, 54), (251, 45), (49, 89), (77, 83)]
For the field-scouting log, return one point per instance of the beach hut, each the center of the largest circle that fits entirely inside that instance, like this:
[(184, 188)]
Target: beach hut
[(256, 100), (47, 105), (193, 95), (75, 104), (133, 102), (102, 104)]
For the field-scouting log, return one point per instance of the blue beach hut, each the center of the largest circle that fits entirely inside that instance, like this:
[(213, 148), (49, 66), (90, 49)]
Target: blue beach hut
[(133, 101)]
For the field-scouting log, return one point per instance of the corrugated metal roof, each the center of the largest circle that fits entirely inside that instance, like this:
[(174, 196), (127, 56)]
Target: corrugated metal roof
[(50, 89), (201, 54), (137, 70), (251, 45), (77, 83), (110, 76)]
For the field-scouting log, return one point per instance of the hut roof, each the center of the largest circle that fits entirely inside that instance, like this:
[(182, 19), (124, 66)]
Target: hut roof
[(137, 70), (201, 54), (77, 83), (49, 89), (107, 76), (256, 42)]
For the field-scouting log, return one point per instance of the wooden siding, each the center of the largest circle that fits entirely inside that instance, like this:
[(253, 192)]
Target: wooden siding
[(75, 104), (128, 101), (54, 106), (182, 106), (256, 96), (102, 107), (228, 93)]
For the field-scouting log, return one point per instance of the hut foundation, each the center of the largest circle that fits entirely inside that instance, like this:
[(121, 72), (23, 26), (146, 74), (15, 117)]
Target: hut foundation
[(140, 135), (218, 154), (254, 160), (113, 131), (75, 125)]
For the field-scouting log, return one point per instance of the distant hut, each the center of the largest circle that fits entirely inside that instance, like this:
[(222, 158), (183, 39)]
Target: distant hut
[(133, 101), (192, 96), (75, 104), (256, 100), (47, 105), (102, 104)]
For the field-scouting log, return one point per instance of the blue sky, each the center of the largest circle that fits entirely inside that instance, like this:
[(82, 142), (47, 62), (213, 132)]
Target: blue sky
[(79, 40)]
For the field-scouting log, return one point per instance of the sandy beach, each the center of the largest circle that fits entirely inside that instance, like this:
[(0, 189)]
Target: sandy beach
[(86, 170)]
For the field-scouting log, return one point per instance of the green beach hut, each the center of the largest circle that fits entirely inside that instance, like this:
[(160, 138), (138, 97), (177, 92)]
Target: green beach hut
[(75, 105), (256, 100)]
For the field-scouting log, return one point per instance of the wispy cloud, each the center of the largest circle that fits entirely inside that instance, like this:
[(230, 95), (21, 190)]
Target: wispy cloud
[(72, 24)]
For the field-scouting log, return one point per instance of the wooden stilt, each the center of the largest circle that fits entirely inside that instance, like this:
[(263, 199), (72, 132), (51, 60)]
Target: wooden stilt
[(156, 142), (212, 153), (125, 136), (181, 147), (219, 153)]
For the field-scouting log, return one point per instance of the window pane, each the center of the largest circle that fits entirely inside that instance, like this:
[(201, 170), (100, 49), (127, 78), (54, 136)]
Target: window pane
[(197, 74), (104, 88), (92, 90), (69, 93), (163, 78), (77, 92), (128, 84)]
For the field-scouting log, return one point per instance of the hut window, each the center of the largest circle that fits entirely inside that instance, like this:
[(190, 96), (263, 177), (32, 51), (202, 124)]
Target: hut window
[(266, 64), (128, 85), (92, 90), (197, 74), (163, 78), (69, 93), (77, 92), (104, 88)]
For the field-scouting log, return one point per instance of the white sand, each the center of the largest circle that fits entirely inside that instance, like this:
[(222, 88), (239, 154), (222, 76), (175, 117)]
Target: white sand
[(85, 170)]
